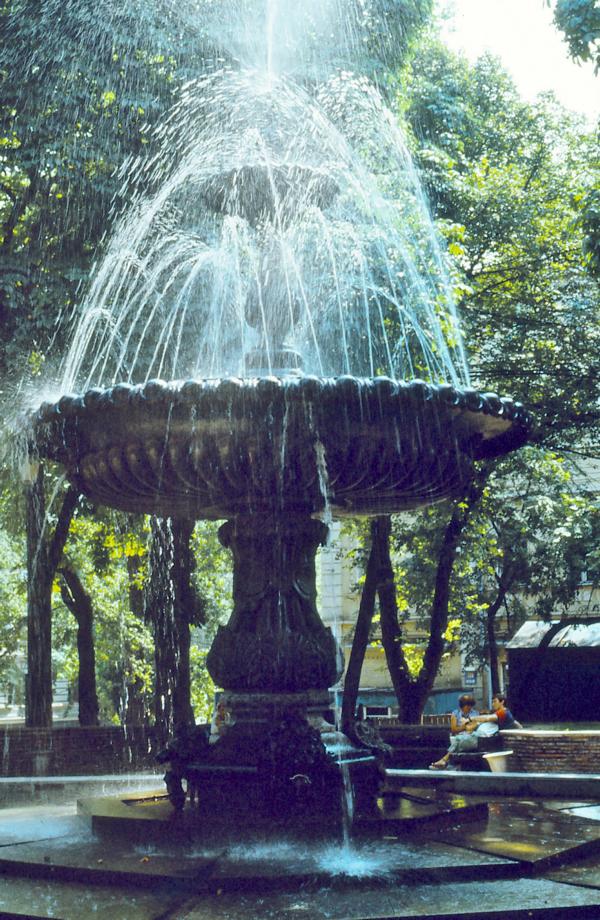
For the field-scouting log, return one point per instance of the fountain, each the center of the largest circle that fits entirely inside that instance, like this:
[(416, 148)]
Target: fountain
[(282, 272)]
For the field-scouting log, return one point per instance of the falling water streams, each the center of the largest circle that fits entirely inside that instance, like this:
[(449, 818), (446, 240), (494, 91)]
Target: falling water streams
[(278, 210), (280, 229)]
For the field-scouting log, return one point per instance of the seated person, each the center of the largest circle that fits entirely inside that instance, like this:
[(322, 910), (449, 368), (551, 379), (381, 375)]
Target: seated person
[(462, 727), (221, 721), (501, 716), (474, 727)]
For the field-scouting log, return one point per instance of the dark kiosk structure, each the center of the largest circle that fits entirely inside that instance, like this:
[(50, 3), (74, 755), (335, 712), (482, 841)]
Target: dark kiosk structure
[(558, 681)]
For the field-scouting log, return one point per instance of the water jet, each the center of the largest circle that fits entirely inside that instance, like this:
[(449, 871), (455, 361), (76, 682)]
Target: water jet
[(261, 274)]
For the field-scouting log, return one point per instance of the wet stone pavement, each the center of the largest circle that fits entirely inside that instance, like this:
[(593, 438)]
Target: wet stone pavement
[(523, 859)]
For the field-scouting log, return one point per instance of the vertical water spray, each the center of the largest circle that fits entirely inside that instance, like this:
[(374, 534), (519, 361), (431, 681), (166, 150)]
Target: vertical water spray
[(285, 217), (280, 245)]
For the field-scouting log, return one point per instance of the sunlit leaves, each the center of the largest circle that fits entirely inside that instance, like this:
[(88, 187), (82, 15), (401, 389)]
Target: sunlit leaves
[(521, 180), (579, 20)]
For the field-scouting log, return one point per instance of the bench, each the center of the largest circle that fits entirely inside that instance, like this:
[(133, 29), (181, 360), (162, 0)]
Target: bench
[(475, 760)]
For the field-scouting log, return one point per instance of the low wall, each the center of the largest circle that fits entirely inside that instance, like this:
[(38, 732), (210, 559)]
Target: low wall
[(414, 746), (74, 751), (534, 750), (553, 751)]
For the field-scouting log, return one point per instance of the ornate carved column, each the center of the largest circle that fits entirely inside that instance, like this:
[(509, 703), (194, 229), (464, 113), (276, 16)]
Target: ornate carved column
[(275, 641)]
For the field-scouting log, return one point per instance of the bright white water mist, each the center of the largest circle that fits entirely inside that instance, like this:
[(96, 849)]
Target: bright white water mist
[(284, 212)]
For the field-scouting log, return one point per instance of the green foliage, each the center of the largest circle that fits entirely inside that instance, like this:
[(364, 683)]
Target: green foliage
[(82, 84), (212, 576), (513, 186), (590, 222), (354, 550), (202, 687), (528, 540), (13, 591), (110, 554), (579, 21), (100, 548), (392, 27)]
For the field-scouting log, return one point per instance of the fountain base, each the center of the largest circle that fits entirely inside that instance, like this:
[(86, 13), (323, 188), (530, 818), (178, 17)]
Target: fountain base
[(279, 761), (150, 819)]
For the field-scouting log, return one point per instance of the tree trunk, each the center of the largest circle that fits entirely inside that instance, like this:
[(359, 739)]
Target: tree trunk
[(168, 596), (39, 610), (132, 701), (492, 645), (79, 603), (43, 555), (136, 591), (362, 630), (391, 632), (505, 582), (412, 693)]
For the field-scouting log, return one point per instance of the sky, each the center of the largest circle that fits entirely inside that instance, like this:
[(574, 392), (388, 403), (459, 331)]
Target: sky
[(521, 33)]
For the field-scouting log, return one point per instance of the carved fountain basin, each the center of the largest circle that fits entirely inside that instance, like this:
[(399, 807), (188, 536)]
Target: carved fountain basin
[(216, 449)]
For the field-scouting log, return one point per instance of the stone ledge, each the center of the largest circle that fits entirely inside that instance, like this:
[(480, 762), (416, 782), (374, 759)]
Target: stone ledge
[(575, 786)]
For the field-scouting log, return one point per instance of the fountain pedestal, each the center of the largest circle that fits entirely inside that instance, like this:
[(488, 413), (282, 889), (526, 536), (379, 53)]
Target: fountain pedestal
[(275, 641), (278, 762), (276, 661)]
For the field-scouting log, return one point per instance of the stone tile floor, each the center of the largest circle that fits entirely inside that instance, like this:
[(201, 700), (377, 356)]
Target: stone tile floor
[(528, 859)]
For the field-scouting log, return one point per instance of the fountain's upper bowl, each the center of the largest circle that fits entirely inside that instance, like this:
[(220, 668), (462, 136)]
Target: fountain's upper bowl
[(269, 445)]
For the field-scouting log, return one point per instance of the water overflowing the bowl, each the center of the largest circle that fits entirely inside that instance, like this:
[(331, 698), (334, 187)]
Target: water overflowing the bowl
[(278, 265), (280, 219)]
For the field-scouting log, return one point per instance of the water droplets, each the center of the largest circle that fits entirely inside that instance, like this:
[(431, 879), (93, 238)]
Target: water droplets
[(278, 217)]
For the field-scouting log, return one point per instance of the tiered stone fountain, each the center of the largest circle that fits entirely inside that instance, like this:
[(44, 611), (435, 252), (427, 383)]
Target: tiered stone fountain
[(269, 455), (275, 450)]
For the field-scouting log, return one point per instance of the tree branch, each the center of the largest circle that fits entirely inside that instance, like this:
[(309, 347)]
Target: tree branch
[(61, 531), (74, 595)]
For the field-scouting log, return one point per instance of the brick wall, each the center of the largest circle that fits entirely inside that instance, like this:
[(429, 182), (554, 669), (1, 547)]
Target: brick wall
[(72, 751), (553, 751), (534, 751)]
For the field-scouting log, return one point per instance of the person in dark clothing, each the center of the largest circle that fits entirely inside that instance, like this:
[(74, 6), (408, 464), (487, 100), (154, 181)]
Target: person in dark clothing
[(501, 714)]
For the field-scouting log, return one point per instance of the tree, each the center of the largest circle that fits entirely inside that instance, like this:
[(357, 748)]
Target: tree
[(171, 608), (579, 21), (13, 590), (107, 550), (83, 84), (44, 552), (507, 182), (76, 598), (362, 629), (394, 549)]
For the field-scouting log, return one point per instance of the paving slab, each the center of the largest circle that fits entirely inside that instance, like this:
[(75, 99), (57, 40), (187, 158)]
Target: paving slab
[(92, 862), (519, 785), (585, 872), (532, 835), (537, 899), (20, 827), (408, 813), (392, 859), (39, 900), (249, 865), (591, 811)]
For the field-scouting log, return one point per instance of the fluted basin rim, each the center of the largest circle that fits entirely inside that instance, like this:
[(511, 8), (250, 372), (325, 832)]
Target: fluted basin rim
[(221, 447)]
